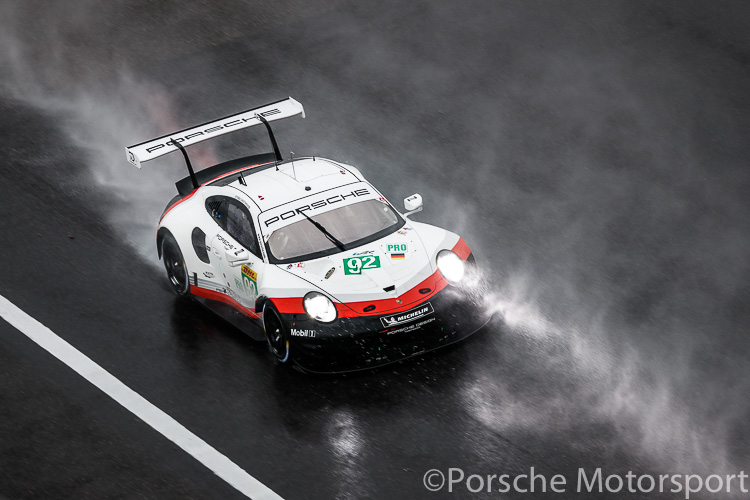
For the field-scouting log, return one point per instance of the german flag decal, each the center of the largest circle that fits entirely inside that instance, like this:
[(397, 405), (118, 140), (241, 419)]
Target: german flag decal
[(397, 251)]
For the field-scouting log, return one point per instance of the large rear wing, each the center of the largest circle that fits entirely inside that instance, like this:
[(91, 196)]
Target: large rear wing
[(155, 148)]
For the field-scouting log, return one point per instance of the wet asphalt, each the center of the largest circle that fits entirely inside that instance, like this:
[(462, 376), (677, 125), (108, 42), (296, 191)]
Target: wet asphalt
[(593, 155)]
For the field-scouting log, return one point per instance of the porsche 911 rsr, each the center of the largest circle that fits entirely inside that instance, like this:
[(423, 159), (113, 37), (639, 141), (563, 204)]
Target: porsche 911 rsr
[(310, 257)]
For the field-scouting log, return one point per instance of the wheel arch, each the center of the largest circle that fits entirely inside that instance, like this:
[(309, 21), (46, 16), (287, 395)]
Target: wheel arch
[(260, 302), (160, 235), (279, 341)]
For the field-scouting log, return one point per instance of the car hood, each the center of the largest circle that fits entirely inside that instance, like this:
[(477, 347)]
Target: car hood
[(384, 269)]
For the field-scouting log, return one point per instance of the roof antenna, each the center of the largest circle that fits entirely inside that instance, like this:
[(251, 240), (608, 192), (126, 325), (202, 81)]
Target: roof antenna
[(294, 174), (242, 179)]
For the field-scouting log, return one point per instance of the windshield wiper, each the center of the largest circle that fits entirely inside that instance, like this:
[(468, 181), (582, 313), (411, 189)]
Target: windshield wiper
[(323, 230)]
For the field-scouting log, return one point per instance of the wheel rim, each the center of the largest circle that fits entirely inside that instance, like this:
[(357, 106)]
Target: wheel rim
[(275, 335), (176, 270)]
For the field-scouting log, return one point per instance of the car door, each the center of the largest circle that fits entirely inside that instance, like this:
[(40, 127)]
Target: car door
[(235, 248)]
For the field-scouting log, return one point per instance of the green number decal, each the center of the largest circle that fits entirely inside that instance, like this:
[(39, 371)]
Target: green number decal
[(355, 265)]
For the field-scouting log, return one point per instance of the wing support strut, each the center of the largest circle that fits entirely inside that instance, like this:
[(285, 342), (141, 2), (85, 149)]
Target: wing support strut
[(271, 136), (193, 179)]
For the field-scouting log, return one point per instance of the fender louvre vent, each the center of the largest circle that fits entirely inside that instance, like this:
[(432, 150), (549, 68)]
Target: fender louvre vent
[(198, 238), (389, 288)]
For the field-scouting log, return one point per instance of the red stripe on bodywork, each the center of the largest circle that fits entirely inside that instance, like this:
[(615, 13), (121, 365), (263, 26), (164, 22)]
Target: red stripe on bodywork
[(214, 295), (403, 302), (293, 305), (462, 249), (177, 203), (289, 305)]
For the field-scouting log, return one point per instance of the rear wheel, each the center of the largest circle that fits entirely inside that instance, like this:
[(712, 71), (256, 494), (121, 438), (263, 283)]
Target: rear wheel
[(278, 341), (175, 266)]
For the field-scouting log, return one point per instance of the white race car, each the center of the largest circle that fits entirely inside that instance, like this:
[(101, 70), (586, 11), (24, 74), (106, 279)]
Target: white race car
[(309, 256)]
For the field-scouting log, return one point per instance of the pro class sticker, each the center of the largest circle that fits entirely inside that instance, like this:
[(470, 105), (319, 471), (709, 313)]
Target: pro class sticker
[(397, 251), (410, 315)]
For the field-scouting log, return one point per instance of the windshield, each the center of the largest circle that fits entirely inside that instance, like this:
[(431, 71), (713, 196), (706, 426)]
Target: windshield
[(353, 225)]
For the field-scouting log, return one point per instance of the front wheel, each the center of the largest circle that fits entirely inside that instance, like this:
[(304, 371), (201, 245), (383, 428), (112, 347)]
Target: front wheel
[(175, 266), (278, 341)]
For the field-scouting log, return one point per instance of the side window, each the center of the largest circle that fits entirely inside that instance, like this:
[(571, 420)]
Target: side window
[(239, 225), (217, 208)]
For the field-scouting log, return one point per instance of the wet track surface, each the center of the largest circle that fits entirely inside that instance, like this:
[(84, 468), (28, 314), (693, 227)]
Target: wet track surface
[(595, 158)]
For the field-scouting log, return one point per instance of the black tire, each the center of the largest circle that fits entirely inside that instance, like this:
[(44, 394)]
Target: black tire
[(174, 263), (276, 334)]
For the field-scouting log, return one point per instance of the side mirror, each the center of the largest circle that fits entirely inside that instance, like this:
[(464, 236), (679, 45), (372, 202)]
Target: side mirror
[(235, 257), (413, 204)]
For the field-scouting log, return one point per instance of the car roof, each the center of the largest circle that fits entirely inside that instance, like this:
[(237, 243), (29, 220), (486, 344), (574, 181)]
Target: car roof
[(270, 187)]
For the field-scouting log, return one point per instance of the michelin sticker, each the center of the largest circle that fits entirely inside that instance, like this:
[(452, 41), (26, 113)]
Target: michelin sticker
[(405, 317)]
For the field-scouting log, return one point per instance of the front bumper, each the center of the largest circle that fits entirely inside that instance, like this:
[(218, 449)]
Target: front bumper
[(350, 344)]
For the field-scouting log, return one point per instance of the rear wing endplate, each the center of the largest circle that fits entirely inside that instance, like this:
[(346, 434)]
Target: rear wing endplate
[(155, 148)]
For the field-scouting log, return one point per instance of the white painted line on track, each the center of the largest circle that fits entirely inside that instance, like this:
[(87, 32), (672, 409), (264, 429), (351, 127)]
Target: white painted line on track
[(136, 404)]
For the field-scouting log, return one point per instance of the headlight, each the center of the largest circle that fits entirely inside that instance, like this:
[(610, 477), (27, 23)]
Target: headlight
[(450, 266), (319, 307)]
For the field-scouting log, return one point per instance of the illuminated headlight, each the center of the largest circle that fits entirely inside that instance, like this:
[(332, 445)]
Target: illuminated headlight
[(319, 307), (450, 266)]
